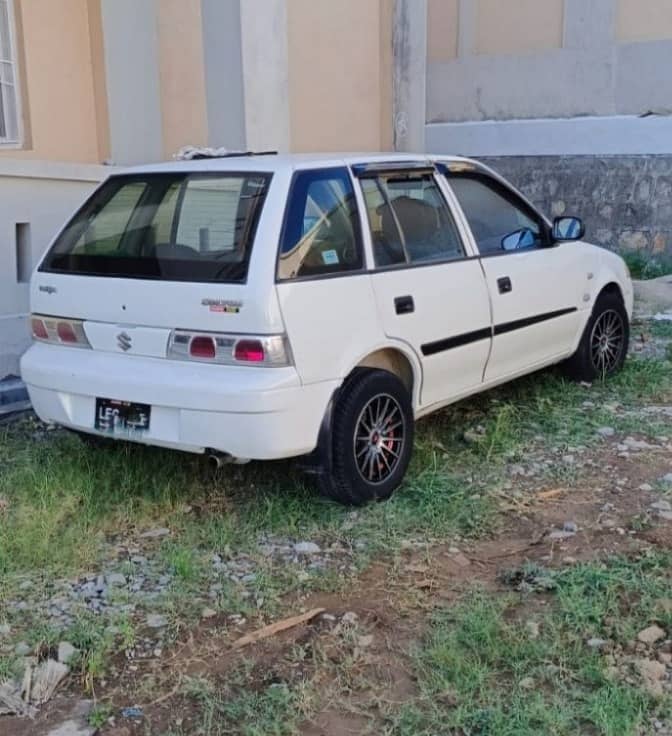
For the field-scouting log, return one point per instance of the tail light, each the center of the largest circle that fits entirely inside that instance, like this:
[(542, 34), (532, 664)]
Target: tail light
[(223, 349), (59, 331)]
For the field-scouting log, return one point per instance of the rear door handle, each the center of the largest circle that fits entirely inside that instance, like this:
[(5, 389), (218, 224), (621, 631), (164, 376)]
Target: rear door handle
[(504, 285), (404, 305)]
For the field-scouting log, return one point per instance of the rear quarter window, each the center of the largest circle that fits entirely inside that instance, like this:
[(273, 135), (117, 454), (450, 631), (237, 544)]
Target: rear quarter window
[(321, 234)]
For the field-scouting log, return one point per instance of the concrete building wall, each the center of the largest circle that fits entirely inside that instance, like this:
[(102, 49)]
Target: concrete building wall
[(56, 66), (338, 54), (181, 75), (131, 43), (625, 201), (548, 59), (59, 189)]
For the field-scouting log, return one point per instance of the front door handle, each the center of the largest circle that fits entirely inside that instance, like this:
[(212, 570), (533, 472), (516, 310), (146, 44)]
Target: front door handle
[(404, 304), (504, 285)]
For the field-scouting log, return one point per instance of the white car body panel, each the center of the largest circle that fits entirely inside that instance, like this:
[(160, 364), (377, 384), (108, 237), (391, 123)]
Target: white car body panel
[(333, 324)]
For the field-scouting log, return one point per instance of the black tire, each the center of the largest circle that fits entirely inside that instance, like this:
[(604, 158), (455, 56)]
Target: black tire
[(389, 444), (599, 356)]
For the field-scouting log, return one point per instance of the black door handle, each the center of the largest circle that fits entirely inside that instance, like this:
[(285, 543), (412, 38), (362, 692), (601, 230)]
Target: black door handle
[(504, 285), (404, 305)]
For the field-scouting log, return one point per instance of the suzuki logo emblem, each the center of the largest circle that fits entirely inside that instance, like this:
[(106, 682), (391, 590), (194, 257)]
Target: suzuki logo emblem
[(124, 341)]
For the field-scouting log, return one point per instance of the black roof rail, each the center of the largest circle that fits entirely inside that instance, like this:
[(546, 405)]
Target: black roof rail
[(376, 168), (231, 154)]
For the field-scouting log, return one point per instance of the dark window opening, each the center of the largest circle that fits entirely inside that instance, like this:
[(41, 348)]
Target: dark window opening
[(175, 227)]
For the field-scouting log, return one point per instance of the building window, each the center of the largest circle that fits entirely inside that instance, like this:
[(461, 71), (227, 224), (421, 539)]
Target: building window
[(9, 115)]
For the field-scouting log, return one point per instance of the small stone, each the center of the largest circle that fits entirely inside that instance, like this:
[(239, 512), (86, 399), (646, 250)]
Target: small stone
[(651, 673), (558, 535), (208, 613), (306, 548), (661, 505), (365, 641), (66, 652), (570, 526), (350, 617), (667, 479), (156, 621), (651, 635), (606, 431), (665, 658), (328, 617), (646, 487), (155, 533), (665, 515), (568, 459), (5, 629), (116, 580), (528, 683), (596, 643), (22, 649), (133, 712), (532, 629)]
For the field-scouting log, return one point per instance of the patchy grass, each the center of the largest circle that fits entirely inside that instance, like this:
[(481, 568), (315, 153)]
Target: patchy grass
[(481, 671), (66, 500), (647, 266), (240, 707)]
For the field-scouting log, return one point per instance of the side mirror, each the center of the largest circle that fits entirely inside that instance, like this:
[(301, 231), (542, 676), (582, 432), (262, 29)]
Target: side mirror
[(524, 238), (568, 228)]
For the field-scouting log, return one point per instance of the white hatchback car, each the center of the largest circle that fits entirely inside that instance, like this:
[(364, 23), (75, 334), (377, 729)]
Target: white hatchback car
[(259, 307)]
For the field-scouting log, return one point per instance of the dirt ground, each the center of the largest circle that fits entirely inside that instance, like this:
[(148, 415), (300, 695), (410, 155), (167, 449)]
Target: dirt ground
[(389, 605)]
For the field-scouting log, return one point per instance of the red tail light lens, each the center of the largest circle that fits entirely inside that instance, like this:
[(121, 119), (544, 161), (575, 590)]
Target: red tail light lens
[(203, 347), (230, 349), (65, 332), (249, 351), (39, 329), (59, 331)]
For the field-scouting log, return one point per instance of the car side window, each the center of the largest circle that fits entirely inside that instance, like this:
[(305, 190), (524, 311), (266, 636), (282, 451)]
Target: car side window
[(409, 219), (321, 234), (497, 221)]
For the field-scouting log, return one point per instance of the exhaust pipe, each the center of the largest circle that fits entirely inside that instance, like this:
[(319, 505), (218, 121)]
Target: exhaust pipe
[(218, 460)]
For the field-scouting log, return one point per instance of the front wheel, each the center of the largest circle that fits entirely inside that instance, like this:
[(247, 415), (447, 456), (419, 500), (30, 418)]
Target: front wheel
[(604, 343), (371, 438)]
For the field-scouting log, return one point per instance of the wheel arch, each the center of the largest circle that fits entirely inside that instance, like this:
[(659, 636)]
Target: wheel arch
[(388, 357), (395, 361)]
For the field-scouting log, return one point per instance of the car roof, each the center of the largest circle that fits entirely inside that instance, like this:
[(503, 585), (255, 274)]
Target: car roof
[(283, 162)]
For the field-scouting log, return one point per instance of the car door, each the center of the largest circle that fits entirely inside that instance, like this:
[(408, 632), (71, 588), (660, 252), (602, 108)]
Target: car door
[(536, 286), (429, 291)]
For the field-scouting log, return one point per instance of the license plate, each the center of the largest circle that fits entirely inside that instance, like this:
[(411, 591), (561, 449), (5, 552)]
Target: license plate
[(122, 417)]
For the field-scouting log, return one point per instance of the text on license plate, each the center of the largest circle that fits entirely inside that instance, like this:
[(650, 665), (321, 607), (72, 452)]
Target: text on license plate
[(121, 417)]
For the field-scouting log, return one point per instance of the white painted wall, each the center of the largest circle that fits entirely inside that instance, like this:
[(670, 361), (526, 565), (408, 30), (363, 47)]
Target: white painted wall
[(130, 33), (587, 136), (44, 195)]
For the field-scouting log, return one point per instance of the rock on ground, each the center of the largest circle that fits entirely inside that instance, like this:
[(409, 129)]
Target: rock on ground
[(651, 635)]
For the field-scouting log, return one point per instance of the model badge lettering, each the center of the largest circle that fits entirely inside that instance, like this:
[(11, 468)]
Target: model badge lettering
[(226, 306), (124, 341), (48, 289)]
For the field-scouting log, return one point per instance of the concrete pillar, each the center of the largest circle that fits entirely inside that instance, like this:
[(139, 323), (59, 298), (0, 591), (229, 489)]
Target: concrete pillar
[(265, 74), (225, 97), (130, 36), (409, 51)]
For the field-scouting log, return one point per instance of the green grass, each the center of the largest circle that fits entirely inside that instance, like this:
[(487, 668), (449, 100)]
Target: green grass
[(65, 501), (647, 266), (238, 707), (480, 672)]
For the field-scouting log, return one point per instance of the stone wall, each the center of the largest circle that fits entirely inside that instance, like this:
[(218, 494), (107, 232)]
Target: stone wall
[(625, 201)]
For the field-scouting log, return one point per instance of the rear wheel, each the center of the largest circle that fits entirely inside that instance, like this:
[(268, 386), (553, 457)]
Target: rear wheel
[(371, 439), (604, 343)]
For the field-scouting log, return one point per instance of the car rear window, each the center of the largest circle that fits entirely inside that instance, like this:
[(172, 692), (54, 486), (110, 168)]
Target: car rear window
[(176, 227)]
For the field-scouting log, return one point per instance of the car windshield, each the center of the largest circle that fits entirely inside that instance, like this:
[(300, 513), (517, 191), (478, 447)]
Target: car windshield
[(175, 227)]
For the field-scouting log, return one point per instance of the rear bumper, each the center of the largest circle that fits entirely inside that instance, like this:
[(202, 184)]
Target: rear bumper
[(252, 413)]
